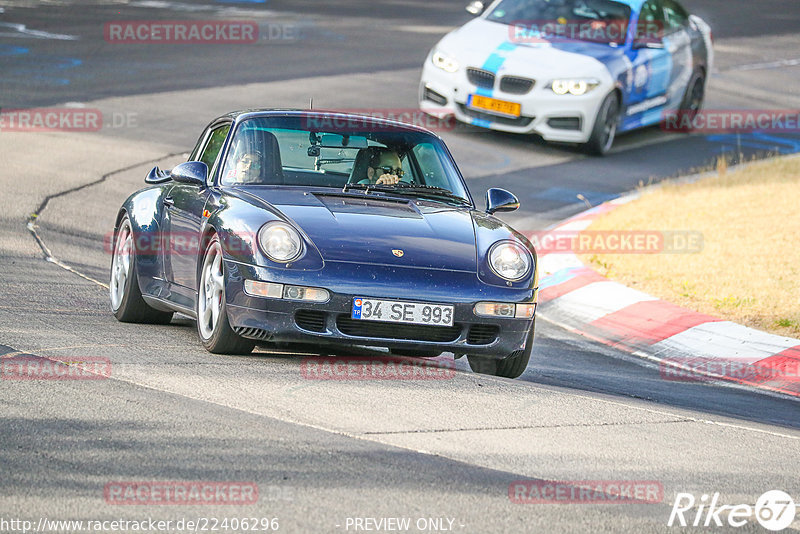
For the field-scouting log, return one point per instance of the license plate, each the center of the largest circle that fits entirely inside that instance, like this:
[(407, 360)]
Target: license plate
[(393, 311), (501, 107)]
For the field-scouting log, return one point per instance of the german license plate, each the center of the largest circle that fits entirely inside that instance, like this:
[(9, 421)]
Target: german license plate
[(393, 311), (501, 107)]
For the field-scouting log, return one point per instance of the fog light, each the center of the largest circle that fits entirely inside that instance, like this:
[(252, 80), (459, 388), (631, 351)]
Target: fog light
[(525, 311), (263, 289), (494, 309), (312, 294)]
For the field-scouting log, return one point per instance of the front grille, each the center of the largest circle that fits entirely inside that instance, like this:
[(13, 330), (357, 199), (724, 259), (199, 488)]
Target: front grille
[(564, 123), (433, 96), (480, 77), (482, 334), (516, 85), (253, 333), (410, 332), (311, 320), (509, 121)]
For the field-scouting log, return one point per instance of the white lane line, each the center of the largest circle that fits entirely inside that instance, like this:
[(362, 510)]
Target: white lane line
[(21, 30), (765, 65), (435, 30), (366, 437)]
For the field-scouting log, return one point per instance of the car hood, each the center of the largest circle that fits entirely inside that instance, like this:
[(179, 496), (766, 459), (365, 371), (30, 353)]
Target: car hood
[(370, 229), (492, 46)]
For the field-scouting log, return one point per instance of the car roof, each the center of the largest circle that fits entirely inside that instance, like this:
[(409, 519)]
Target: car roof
[(321, 115)]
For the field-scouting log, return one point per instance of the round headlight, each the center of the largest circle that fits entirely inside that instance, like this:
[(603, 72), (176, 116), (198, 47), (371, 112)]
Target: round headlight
[(578, 87), (561, 87), (509, 260), (280, 242)]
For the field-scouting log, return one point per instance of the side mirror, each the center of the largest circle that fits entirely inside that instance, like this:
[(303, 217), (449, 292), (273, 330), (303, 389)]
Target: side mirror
[(157, 176), (500, 200), (191, 172), (475, 7)]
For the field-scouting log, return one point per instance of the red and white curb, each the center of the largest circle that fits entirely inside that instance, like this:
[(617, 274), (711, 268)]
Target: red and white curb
[(687, 345)]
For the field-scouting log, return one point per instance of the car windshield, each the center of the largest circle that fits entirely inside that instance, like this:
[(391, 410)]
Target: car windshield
[(601, 21), (346, 153)]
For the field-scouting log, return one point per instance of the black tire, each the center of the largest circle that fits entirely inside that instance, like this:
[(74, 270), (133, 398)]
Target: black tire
[(605, 127), (693, 99), (511, 367), (127, 303), (217, 335), (416, 353)]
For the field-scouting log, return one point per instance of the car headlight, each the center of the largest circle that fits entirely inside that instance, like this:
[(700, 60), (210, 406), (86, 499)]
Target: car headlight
[(575, 87), (444, 62), (509, 260), (280, 242)]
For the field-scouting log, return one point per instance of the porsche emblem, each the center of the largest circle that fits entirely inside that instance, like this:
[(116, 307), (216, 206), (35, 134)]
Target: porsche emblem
[(397, 252)]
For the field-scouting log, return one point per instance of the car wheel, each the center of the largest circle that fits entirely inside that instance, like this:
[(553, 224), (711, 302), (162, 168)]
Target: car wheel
[(212, 313), (605, 127), (511, 367), (693, 99), (123, 287)]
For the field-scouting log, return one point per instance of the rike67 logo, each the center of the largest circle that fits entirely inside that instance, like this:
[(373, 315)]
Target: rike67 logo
[(774, 510)]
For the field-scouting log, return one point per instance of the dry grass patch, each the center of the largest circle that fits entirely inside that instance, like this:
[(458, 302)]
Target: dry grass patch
[(749, 269)]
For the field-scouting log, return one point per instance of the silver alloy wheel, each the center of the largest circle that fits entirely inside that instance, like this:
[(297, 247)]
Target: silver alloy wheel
[(212, 291), (121, 265)]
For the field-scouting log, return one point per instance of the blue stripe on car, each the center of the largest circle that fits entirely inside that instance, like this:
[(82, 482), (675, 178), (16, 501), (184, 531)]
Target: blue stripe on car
[(492, 64)]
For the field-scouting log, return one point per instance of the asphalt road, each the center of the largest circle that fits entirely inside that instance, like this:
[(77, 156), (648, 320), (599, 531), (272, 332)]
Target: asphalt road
[(325, 452)]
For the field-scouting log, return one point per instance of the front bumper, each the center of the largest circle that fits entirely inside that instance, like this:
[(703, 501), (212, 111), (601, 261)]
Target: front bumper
[(561, 118), (280, 320)]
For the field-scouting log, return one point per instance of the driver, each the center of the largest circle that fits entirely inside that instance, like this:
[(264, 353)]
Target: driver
[(384, 168), (247, 169)]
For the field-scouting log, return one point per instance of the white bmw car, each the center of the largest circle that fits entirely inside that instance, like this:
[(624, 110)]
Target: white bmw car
[(574, 71)]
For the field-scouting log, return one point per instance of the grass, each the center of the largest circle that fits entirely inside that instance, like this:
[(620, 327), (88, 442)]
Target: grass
[(749, 267)]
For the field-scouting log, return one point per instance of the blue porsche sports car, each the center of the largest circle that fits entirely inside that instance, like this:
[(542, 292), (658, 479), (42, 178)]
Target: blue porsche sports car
[(327, 228)]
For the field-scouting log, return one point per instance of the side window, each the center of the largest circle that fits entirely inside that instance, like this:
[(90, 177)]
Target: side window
[(213, 146), (677, 18), (651, 19)]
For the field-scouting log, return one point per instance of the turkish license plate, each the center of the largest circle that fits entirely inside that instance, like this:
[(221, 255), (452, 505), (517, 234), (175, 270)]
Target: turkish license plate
[(501, 107), (393, 311)]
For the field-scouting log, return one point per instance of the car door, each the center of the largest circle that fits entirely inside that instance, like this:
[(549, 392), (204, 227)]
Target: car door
[(183, 217), (651, 67), (678, 43)]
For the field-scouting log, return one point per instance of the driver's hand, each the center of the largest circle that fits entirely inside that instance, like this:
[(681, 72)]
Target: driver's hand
[(387, 179)]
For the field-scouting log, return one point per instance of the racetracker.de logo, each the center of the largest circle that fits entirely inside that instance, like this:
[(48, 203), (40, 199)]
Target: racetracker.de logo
[(701, 369), (373, 120), (51, 120), (178, 244), (37, 368), (350, 368), (586, 492), (616, 242), (716, 121), (181, 32), (180, 493), (563, 30)]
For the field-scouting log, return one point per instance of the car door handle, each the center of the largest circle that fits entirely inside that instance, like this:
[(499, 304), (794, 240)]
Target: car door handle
[(169, 202)]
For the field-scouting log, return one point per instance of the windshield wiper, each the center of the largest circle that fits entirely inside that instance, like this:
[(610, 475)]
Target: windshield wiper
[(421, 191)]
